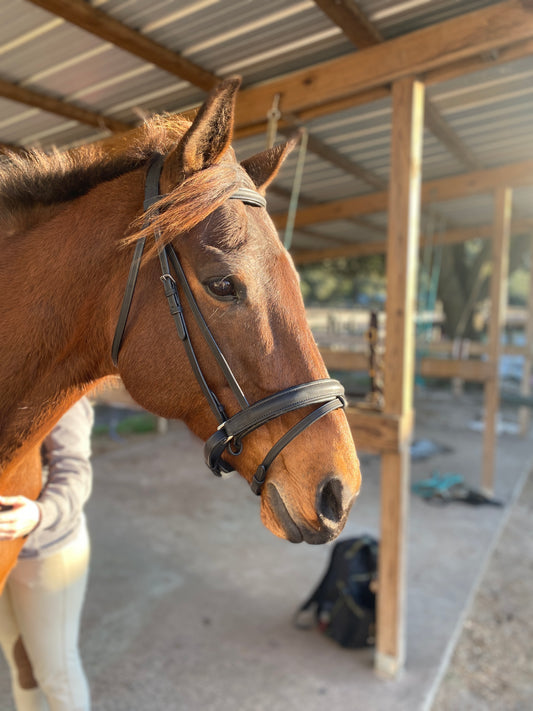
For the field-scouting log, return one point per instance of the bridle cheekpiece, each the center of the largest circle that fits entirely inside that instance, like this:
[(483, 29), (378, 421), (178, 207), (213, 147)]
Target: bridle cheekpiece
[(327, 394)]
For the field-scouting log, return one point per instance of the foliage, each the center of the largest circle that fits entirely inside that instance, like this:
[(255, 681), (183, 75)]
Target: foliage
[(344, 281), (465, 281), (463, 272)]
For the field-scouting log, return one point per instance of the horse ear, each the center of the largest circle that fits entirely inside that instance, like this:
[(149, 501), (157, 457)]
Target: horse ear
[(209, 135), (263, 167)]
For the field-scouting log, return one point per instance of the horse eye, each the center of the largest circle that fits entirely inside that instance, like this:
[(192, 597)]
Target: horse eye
[(222, 288)]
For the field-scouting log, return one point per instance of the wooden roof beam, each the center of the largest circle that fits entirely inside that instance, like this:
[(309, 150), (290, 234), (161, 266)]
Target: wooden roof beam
[(459, 39), (329, 154), (353, 22), (14, 92), (433, 191), (484, 60), (440, 128), (340, 12), (305, 201), (360, 249), (97, 22)]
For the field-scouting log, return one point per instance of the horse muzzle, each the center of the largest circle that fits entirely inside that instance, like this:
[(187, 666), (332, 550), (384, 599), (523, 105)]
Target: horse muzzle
[(332, 505)]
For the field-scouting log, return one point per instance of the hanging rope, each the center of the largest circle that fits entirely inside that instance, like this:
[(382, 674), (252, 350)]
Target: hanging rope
[(273, 116), (296, 185)]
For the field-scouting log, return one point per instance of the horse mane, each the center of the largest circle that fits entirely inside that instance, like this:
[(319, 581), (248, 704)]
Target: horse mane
[(33, 179)]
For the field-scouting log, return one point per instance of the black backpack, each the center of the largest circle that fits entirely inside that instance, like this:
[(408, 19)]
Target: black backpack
[(344, 601)]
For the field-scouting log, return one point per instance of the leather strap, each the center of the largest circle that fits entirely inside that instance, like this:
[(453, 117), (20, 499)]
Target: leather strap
[(151, 195), (327, 393), (260, 475)]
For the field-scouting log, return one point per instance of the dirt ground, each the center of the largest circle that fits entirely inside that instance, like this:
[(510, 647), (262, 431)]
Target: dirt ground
[(190, 599), (492, 666)]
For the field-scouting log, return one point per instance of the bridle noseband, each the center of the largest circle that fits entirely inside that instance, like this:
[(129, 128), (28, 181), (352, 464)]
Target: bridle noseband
[(328, 394)]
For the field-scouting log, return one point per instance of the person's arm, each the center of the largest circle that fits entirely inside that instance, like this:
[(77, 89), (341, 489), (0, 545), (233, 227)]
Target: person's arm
[(67, 450)]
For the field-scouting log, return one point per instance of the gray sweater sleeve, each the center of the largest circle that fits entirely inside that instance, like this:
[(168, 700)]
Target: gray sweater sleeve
[(67, 451)]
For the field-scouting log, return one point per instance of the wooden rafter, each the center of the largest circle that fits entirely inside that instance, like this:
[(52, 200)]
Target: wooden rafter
[(450, 188), (462, 38), (107, 28), (61, 108), (454, 69), (93, 20), (353, 22), (305, 201), (329, 154), (358, 249), (350, 17), (440, 128)]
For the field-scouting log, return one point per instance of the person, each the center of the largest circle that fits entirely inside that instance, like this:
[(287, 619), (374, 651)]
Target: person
[(40, 608)]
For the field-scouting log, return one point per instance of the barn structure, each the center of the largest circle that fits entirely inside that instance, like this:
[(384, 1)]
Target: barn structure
[(408, 106)]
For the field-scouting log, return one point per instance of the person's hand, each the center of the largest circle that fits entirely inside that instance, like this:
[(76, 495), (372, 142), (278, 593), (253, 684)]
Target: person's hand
[(20, 520)]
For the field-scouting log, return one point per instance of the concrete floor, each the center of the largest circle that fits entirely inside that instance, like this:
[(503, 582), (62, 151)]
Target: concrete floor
[(190, 599)]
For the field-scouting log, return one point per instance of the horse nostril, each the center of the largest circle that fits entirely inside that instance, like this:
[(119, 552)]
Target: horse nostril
[(329, 501)]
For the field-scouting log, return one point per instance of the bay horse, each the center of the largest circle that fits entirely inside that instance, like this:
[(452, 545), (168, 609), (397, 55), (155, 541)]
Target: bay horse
[(69, 223)]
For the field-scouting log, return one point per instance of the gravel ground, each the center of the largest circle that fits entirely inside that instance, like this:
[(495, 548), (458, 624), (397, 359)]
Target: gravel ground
[(491, 668)]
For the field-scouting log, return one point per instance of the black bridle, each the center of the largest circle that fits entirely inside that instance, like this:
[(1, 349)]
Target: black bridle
[(328, 394)]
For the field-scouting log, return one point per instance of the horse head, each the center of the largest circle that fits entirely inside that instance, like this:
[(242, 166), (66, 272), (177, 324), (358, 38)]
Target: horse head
[(246, 288)]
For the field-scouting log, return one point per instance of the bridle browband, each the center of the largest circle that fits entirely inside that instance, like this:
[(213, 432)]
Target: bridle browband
[(328, 394)]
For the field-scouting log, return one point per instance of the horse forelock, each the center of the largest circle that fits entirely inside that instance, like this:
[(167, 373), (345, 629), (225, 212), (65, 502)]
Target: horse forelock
[(190, 203)]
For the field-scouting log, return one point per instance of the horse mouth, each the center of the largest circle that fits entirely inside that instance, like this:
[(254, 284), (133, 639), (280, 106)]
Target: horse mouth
[(287, 527)]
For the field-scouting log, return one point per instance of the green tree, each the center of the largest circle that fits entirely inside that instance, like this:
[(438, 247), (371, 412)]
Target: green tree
[(465, 281)]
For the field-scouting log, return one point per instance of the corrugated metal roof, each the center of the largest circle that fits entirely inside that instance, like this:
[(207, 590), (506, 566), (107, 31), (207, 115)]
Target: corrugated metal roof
[(489, 110), (393, 17)]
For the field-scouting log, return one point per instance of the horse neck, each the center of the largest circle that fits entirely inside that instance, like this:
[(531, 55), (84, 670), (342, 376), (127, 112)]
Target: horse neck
[(60, 288)]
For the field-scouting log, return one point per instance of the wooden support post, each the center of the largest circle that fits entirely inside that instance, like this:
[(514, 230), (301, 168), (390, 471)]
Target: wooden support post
[(402, 262), (524, 414), (498, 295)]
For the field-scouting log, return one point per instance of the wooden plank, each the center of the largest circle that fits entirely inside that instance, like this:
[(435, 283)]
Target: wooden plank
[(479, 63), (348, 16), (403, 243), (472, 370), (459, 38), (436, 76), (390, 643), (441, 129), (331, 155), (378, 432), (402, 253), (475, 348), (97, 22), (498, 296), (358, 249), (61, 108), (441, 189), (354, 23), (344, 360), (524, 414)]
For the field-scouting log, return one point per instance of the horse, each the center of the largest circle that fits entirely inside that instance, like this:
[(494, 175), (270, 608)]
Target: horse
[(172, 193)]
